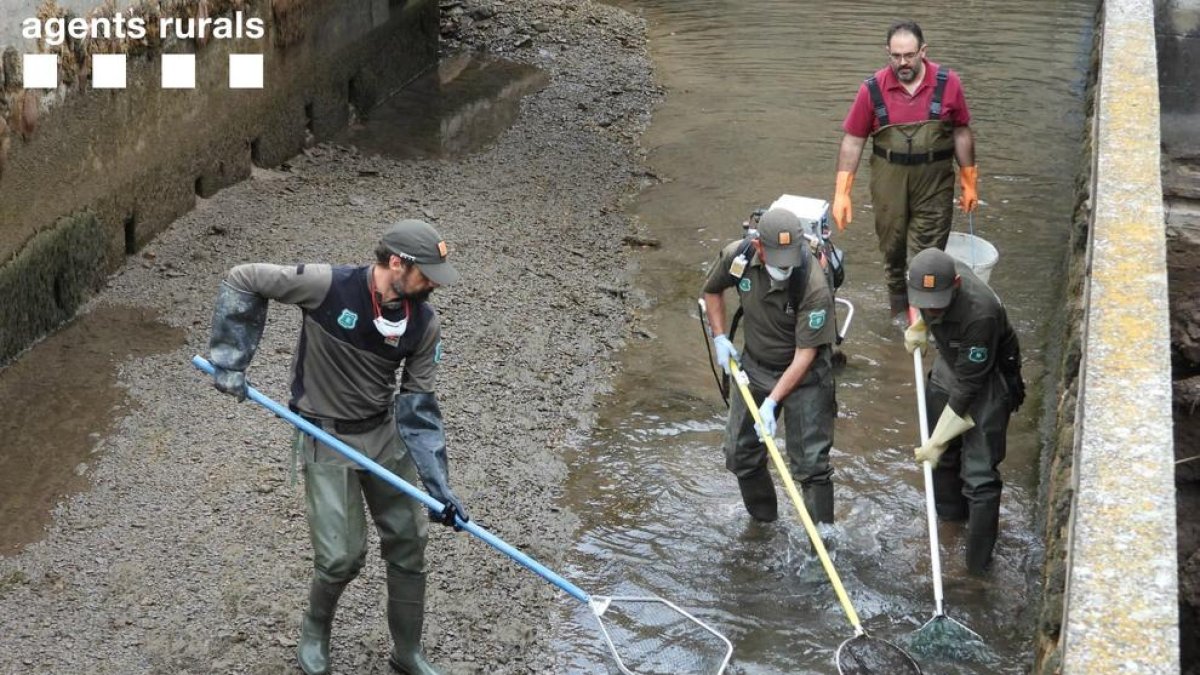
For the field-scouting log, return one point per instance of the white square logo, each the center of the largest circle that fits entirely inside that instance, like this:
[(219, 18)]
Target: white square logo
[(179, 71), (108, 71), (245, 71), (41, 71)]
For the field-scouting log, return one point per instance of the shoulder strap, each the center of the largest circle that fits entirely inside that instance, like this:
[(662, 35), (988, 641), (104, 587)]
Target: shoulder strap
[(881, 113), (939, 90), (798, 282)]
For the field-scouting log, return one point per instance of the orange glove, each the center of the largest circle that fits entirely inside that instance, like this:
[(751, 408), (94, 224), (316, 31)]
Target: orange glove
[(967, 177), (843, 210)]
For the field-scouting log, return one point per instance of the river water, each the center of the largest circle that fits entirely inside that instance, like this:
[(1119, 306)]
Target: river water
[(755, 94)]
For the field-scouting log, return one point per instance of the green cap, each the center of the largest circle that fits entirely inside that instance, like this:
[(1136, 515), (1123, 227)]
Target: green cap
[(931, 277), (416, 241), (782, 237)]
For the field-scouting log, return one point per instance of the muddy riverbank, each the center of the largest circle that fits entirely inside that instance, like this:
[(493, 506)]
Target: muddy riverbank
[(189, 551)]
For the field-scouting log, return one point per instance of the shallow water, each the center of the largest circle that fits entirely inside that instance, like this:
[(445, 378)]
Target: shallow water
[(755, 94)]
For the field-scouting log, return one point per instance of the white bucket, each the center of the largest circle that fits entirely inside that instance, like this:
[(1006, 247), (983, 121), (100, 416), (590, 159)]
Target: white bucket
[(976, 252)]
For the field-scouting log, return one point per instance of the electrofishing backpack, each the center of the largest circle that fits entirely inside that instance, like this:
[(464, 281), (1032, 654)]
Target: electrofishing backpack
[(830, 257)]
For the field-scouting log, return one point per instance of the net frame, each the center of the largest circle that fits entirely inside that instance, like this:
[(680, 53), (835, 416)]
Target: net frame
[(601, 604), (880, 646)]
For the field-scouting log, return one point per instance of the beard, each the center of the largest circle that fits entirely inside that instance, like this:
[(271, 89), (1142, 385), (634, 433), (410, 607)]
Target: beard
[(423, 296), (906, 74)]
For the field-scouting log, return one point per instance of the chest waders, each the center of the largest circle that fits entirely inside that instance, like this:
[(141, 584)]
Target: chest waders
[(912, 186)]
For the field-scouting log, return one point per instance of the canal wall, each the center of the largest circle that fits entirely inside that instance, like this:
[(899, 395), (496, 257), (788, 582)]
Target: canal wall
[(1111, 577), (1177, 24), (88, 176)]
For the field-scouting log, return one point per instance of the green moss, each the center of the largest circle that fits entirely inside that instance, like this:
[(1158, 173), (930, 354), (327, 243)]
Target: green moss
[(56, 271)]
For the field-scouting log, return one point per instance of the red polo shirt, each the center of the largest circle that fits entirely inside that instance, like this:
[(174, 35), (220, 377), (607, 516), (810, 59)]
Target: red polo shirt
[(905, 108)]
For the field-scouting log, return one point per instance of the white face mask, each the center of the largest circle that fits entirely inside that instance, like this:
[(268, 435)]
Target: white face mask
[(779, 273), (391, 329)]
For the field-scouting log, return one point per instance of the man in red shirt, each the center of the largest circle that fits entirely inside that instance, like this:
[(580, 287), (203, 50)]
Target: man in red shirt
[(917, 118)]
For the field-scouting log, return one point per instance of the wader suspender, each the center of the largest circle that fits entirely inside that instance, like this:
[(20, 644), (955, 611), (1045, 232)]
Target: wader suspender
[(935, 105), (797, 285)]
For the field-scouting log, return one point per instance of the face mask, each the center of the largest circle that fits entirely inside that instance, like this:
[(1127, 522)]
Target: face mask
[(388, 329), (779, 273), (391, 329)]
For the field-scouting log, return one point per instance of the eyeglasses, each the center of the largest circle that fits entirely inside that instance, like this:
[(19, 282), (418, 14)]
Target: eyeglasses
[(901, 58)]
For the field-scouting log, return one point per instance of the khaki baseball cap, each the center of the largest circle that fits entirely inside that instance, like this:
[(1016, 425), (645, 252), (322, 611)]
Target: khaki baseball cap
[(931, 277), (418, 242), (782, 237)]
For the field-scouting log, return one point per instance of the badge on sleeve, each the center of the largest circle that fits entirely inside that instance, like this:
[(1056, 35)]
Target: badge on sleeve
[(744, 285), (348, 319), (977, 354), (437, 352), (816, 319)]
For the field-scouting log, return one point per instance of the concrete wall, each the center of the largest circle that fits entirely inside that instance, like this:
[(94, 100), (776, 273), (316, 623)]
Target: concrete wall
[(106, 170), (1111, 583)]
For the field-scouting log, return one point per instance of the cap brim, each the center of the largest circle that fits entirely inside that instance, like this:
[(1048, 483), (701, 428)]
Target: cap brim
[(784, 257), (930, 299), (442, 274)]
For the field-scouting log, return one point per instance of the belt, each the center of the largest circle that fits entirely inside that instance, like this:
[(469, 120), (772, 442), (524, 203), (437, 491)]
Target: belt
[(346, 426), (915, 158)]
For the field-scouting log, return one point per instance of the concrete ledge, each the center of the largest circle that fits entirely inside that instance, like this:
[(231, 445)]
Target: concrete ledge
[(1122, 589)]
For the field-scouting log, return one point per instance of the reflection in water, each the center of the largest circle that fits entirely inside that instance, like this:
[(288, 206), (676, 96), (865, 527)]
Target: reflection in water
[(756, 94), (60, 398), (458, 108)]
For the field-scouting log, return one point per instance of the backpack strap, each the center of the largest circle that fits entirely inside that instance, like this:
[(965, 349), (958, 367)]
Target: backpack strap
[(881, 113), (939, 90)]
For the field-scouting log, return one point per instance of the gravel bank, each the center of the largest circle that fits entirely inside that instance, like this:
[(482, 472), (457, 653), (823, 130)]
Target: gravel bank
[(190, 552)]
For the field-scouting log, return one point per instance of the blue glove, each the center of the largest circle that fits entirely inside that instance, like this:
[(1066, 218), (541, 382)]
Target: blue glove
[(725, 351), (767, 413)]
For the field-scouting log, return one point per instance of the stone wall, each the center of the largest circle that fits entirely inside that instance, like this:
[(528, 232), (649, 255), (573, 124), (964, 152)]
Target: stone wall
[(105, 170), (1110, 579)]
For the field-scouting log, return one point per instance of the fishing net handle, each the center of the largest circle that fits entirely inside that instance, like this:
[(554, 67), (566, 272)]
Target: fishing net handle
[(743, 382), (935, 552)]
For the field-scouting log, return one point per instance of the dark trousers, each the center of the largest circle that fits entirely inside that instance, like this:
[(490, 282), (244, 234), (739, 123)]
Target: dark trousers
[(808, 420), (914, 206), (336, 489)]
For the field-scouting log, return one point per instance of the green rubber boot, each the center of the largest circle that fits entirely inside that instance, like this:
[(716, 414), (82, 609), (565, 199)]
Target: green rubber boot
[(818, 499), (758, 494), (406, 617), (313, 649)]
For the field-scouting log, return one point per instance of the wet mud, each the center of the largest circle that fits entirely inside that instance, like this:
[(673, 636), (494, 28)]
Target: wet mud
[(187, 549)]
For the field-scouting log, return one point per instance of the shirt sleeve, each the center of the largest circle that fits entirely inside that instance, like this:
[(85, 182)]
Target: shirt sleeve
[(302, 285), (420, 367), (719, 277), (860, 120), (815, 318), (976, 359), (956, 110)]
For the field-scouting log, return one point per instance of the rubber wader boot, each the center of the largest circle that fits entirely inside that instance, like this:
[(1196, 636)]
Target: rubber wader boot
[(948, 497), (982, 528), (818, 499), (313, 650), (758, 494), (406, 617)]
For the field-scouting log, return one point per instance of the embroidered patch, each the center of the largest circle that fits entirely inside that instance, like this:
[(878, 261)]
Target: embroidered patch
[(785, 238), (744, 285), (348, 319), (929, 281), (977, 354), (437, 352), (816, 319), (442, 250)]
